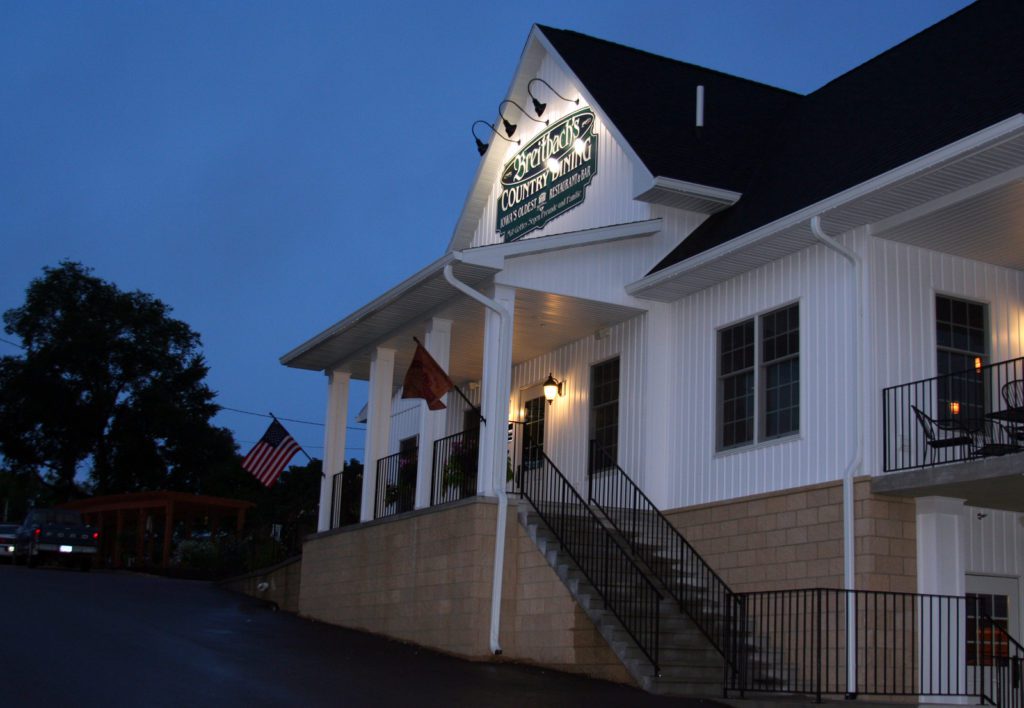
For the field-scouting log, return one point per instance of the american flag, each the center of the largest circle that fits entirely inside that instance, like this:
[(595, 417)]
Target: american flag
[(274, 450)]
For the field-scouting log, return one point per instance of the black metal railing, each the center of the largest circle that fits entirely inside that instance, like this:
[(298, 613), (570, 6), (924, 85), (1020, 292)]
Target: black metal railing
[(337, 481), (905, 644), (700, 592), (995, 658), (454, 473), (396, 484), (961, 416), (346, 496), (627, 593)]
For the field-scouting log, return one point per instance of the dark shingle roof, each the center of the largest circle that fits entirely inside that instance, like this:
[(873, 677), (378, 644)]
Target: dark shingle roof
[(955, 78), (652, 100)]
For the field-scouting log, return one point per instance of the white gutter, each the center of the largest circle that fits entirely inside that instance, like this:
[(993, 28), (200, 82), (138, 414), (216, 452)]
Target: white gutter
[(849, 547), (495, 415)]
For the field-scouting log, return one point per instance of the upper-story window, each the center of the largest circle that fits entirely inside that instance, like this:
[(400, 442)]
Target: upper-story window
[(759, 378), (960, 336)]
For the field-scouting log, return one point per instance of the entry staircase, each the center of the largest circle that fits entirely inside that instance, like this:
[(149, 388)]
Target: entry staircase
[(679, 630), (671, 621)]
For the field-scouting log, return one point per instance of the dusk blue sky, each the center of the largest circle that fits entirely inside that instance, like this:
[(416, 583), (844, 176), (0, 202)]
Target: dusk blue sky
[(267, 168)]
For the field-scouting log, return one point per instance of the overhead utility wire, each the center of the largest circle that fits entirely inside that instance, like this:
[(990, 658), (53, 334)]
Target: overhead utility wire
[(13, 344), (290, 420)]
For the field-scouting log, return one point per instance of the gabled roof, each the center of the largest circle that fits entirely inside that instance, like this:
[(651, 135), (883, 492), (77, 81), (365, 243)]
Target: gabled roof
[(652, 101), (961, 75)]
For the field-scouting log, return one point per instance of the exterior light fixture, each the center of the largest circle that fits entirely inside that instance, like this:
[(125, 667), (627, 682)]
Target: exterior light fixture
[(552, 388), (538, 106), (554, 165), (578, 146), (481, 146), (954, 407), (510, 128), (977, 364)]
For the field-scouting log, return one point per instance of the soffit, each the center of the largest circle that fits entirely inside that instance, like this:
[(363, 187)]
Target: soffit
[(542, 322)]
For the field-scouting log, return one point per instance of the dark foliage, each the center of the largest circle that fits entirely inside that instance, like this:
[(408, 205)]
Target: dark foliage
[(109, 385)]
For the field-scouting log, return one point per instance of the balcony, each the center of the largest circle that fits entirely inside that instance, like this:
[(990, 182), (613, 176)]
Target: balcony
[(957, 435)]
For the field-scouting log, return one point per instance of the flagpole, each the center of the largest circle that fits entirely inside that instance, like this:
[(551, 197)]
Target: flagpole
[(296, 441), (457, 389)]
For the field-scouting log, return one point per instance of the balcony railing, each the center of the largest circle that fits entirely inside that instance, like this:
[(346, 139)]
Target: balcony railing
[(396, 484), (961, 416)]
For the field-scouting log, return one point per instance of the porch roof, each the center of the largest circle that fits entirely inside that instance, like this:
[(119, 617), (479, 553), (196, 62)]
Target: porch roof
[(542, 321)]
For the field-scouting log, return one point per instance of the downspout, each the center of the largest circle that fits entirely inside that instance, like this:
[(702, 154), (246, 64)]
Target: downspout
[(849, 547), (495, 417)]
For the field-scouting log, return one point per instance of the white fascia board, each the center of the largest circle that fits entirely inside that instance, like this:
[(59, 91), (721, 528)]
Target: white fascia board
[(487, 171), (494, 255), (1004, 130), (691, 189), (370, 308)]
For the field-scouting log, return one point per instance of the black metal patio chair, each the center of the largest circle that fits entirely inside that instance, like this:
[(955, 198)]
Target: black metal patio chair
[(945, 434)]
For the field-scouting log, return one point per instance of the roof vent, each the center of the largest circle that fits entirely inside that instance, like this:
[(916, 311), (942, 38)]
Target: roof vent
[(700, 108)]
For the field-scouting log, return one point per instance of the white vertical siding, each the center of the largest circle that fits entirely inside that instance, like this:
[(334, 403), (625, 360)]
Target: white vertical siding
[(609, 197), (995, 542), (567, 420), (820, 282), (405, 420), (902, 282)]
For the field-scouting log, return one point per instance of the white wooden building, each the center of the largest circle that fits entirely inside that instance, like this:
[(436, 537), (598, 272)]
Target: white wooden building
[(796, 322)]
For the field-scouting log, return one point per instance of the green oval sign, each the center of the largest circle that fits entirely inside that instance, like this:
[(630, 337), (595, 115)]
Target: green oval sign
[(549, 176)]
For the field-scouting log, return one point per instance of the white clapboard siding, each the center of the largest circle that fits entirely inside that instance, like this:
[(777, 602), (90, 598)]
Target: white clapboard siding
[(609, 198)]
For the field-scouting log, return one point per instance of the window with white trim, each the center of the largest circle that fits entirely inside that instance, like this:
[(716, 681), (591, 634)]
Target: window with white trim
[(759, 378)]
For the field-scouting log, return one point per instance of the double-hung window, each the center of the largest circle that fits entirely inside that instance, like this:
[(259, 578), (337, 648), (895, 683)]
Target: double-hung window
[(759, 378)]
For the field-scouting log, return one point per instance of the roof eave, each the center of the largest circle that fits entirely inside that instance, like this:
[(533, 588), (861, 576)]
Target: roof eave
[(663, 285)]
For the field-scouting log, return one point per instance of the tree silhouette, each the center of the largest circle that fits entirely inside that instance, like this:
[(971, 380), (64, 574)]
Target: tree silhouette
[(109, 385)]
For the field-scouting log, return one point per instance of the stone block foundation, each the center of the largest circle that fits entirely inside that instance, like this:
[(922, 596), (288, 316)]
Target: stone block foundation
[(425, 577)]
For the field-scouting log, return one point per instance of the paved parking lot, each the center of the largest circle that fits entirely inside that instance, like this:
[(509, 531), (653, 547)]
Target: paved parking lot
[(120, 639)]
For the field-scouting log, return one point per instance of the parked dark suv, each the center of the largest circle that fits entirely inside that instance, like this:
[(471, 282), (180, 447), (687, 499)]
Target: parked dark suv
[(55, 534)]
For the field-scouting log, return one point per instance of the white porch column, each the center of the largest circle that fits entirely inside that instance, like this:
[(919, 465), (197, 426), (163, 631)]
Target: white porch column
[(334, 442), (494, 391), (941, 570), (437, 340), (378, 423)]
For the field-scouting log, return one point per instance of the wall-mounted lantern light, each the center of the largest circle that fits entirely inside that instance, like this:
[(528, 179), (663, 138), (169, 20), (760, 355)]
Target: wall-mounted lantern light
[(481, 146), (538, 106), (977, 364), (954, 407), (552, 388)]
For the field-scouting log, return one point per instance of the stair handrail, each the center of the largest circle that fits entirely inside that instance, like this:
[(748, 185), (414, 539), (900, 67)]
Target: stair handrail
[(639, 612), (719, 627), (994, 687)]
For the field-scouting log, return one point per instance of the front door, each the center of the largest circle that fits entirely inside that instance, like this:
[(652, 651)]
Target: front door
[(533, 431)]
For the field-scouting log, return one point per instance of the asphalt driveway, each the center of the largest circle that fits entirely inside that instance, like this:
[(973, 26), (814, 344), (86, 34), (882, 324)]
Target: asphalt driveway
[(121, 639)]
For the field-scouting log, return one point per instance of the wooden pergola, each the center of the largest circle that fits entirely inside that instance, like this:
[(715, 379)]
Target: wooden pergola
[(147, 512)]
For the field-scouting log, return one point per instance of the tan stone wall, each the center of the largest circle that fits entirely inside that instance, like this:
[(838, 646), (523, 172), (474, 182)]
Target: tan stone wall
[(282, 584), (425, 577), (794, 539), (541, 621)]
